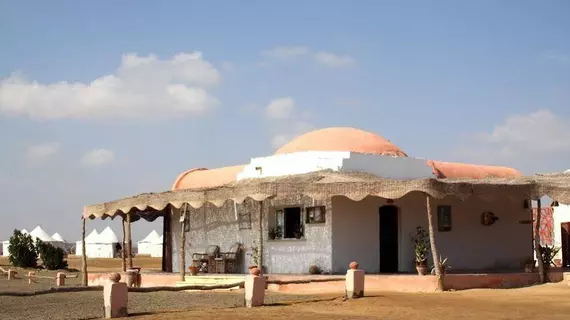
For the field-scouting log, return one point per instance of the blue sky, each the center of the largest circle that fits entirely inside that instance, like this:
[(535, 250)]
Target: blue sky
[(100, 100)]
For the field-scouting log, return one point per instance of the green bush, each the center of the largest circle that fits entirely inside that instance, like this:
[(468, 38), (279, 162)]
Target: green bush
[(53, 258), (22, 251)]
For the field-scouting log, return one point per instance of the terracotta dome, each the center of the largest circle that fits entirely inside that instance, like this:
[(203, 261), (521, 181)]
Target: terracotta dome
[(342, 139)]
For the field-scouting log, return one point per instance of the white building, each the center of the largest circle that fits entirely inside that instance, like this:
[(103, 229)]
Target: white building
[(6, 245), (104, 246), (332, 232)]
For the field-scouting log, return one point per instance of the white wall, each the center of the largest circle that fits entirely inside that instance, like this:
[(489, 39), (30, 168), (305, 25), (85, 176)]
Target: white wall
[(469, 246), (99, 250), (561, 214), (309, 161)]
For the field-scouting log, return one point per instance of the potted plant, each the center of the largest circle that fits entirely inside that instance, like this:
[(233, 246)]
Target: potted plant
[(547, 254), (193, 269), (443, 266), (254, 256), (314, 269), (298, 233), (420, 239), (272, 234)]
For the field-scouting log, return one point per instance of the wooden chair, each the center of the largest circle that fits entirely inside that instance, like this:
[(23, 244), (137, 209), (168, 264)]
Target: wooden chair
[(227, 261), (206, 261)]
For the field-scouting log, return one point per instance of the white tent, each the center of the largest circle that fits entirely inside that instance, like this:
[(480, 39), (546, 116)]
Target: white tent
[(57, 237), (102, 245), (90, 239), (145, 245), (156, 247)]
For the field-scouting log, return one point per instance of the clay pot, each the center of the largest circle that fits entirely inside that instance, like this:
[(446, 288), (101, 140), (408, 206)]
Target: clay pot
[(131, 279), (115, 277), (353, 265), (422, 268), (193, 270), (255, 271), (558, 262)]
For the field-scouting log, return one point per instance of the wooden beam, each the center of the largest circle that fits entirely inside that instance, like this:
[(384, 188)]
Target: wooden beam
[(129, 243), (433, 246), (83, 255), (541, 268), (124, 247), (182, 254), (167, 243), (260, 248)]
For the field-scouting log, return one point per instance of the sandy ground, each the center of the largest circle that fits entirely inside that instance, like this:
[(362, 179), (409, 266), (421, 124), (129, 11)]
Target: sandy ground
[(550, 301)]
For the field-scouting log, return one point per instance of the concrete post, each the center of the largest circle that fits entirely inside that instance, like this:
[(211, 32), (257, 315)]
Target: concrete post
[(11, 274), (31, 276), (116, 297), (254, 290), (60, 279), (354, 282)]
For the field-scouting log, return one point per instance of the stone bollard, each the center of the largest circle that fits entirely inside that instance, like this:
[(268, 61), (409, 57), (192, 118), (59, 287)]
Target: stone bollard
[(254, 289), (116, 297), (60, 279), (354, 282), (11, 274), (31, 276)]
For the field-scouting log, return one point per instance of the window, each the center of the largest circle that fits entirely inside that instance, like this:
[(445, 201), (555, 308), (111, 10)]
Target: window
[(443, 218), (316, 214), (288, 224)]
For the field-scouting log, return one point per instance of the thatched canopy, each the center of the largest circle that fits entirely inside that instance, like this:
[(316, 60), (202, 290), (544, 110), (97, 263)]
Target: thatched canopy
[(324, 184)]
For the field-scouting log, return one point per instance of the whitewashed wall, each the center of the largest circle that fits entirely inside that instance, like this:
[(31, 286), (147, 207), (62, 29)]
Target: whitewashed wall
[(469, 246), (561, 214), (211, 225), (309, 161)]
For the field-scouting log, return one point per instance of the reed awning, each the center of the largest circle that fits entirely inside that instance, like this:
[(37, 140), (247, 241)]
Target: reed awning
[(321, 185)]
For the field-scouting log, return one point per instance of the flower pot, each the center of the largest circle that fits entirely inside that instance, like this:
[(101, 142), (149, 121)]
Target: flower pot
[(193, 270), (422, 270), (558, 262)]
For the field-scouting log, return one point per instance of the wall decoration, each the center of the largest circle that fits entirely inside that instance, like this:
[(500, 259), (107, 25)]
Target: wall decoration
[(488, 218), (316, 214), (244, 221)]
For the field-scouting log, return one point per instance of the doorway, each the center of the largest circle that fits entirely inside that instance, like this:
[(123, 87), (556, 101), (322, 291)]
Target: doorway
[(389, 239), (565, 237)]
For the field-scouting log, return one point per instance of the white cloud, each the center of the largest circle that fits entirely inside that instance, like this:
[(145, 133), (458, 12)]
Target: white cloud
[(558, 57), (332, 60), (538, 141), (142, 87), (97, 157), (286, 52), (38, 154), (281, 108)]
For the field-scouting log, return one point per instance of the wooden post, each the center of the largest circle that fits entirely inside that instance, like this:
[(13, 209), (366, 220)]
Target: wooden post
[(541, 269), (182, 254), (260, 249), (129, 242), (124, 248), (83, 255), (434, 254)]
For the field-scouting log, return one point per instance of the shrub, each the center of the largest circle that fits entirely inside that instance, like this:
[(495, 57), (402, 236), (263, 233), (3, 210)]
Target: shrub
[(22, 251), (53, 258)]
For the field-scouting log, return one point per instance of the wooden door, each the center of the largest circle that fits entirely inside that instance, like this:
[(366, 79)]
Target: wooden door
[(565, 235)]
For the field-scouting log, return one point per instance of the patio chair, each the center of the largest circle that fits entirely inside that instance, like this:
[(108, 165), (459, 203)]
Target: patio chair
[(227, 261), (206, 260)]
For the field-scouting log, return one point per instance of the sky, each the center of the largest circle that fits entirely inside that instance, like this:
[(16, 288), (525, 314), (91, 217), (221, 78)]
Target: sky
[(105, 99)]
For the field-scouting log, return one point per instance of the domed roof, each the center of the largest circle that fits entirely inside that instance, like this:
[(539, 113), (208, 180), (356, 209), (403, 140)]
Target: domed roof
[(342, 139)]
